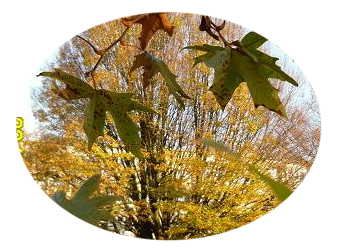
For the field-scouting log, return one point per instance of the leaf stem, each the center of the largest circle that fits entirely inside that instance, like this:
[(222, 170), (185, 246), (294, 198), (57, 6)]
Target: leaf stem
[(218, 29), (134, 46), (220, 35), (223, 39), (93, 79)]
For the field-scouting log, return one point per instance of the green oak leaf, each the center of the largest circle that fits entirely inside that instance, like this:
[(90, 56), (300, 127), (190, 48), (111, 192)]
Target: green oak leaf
[(83, 205), (261, 90), (280, 190), (119, 104), (152, 66), (101, 101), (94, 119), (226, 80), (75, 87), (242, 62), (251, 42)]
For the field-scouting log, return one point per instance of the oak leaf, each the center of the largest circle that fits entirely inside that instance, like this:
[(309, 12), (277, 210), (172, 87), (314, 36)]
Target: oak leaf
[(243, 62), (151, 66), (119, 104)]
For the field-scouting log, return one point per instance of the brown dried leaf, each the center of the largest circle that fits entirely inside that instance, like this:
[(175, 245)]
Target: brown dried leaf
[(151, 23), (206, 25)]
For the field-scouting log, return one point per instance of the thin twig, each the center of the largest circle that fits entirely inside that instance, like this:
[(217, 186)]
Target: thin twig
[(108, 48), (101, 53), (222, 26), (118, 40), (85, 40), (223, 39)]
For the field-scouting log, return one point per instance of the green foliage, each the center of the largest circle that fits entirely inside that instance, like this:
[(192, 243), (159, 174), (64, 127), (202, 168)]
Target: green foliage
[(214, 144), (118, 104), (213, 55), (101, 101), (152, 66), (261, 90), (94, 119), (280, 190), (251, 42), (242, 62), (75, 87), (219, 58), (83, 205)]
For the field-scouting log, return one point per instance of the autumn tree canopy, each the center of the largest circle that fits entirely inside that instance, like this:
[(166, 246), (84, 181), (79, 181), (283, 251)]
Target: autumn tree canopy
[(171, 126)]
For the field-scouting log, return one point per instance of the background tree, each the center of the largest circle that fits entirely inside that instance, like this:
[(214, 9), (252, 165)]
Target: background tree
[(180, 189)]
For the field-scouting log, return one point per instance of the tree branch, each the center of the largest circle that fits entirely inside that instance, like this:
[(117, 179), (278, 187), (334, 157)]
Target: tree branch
[(91, 45), (101, 53)]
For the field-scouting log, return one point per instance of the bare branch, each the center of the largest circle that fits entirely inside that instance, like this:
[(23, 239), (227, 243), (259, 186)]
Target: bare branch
[(101, 53), (91, 45)]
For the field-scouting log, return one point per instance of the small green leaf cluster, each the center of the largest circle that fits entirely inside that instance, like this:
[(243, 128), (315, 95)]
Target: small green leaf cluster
[(83, 205)]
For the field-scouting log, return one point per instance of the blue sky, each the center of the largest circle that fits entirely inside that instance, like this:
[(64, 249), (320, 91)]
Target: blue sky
[(24, 108)]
